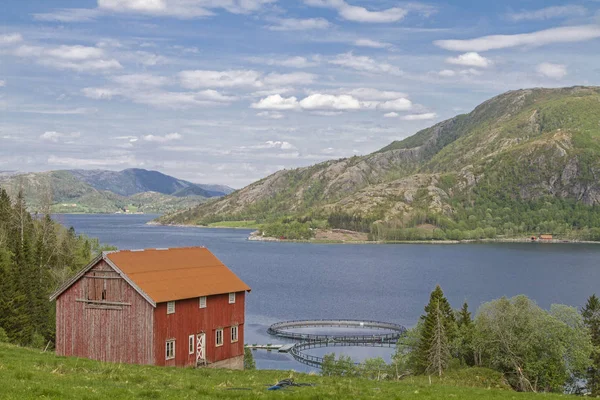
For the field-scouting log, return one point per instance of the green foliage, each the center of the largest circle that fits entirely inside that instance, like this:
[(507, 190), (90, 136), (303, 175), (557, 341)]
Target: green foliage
[(3, 336), (294, 230), (36, 255), (591, 319), (438, 331), (249, 363), (343, 366), (535, 349)]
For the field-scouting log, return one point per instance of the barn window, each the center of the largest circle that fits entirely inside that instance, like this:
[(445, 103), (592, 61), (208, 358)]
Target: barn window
[(231, 298), (170, 350), (191, 344), (219, 337), (171, 307), (203, 302), (234, 334)]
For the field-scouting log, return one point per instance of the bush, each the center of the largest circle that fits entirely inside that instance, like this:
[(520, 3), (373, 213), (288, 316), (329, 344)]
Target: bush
[(3, 336)]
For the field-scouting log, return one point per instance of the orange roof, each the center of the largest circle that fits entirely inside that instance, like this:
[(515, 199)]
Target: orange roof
[(178, 273)]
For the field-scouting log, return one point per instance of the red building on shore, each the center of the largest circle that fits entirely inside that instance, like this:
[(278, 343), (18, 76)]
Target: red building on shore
[(174, 307)]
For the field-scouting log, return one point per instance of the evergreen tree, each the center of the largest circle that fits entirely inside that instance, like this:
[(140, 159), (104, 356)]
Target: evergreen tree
[(591, 318), (464, 342), (439, 329)]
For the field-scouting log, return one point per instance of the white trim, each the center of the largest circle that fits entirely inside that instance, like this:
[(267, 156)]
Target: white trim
[(170, 307), (232, 298), (217, 344), (192, 344), (202, 301), (237, 333), (170, 341)]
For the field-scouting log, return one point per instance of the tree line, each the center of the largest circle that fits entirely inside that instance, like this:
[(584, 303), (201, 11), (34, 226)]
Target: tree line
[(37, 254), (533, 349)]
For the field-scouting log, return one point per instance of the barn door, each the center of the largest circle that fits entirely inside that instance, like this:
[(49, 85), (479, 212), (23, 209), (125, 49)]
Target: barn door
[(201, 349)]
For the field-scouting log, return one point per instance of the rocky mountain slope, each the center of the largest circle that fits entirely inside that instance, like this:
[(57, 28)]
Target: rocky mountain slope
[(108, 191), (514, 150)]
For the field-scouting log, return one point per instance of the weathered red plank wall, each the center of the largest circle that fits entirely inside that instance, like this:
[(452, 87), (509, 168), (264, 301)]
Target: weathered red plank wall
[(190, 319), (106, 332)]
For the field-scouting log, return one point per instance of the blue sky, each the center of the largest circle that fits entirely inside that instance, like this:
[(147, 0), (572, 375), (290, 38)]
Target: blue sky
[(229, 91)]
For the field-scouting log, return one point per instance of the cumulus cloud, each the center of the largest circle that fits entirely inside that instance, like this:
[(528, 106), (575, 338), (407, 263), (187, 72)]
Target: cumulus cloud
[(391, 115), (400, 104), (372, 94), (470, 59), (55, 137), (539, 38), (549, 12), (162, 139), (295, 78), (419, 117), (184, 9), (447, 73), (555, 71), (364, 63), (360, 14), (143, 80), (295, 24), (276, 102), (329, 102), (371, 43)]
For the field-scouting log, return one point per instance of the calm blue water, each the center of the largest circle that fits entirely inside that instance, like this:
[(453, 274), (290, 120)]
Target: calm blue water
[(377, 282)]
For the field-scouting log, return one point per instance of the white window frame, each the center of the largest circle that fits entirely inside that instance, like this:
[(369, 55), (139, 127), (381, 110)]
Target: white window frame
[(232, 298), (235, 332), (170, 342), (217, 332), (192, 344), (170, 307), (202, 302)]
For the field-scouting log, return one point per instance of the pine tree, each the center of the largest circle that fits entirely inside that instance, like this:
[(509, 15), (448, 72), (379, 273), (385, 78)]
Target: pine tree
[(591, 318), (439, 329), (464, 343)]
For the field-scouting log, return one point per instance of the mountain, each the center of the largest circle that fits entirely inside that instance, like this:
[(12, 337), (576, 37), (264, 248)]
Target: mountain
[(108, 191), (523, 162)]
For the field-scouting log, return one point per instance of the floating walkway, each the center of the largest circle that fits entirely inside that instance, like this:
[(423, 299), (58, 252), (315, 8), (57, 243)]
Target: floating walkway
[(311, 340)]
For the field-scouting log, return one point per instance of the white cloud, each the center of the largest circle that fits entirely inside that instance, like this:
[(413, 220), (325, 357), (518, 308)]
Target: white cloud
[(10, 38), (419, 117), (221, 79), (93, 162), (184, 9), (470, 71), (162, 139), (69, 15), (565, 34), (291, 62), (371, 94), (2, 83), (75, 53), (555, 71), (77, 58), (295, 78), (99, 93), (364, 63), (371, 43), (276, 102), (141, 80), (329, 102), (549, 12), (276, 144), (55, 137), (270, 115), (470, 59), (295, 24), (447, 73), (360, 14), (400, 104), (391, 115)]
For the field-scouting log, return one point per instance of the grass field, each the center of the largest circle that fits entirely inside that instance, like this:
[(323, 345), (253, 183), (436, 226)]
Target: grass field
[(31, 374)]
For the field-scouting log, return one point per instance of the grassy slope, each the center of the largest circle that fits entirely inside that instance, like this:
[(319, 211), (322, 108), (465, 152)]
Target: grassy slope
[(30, 374)]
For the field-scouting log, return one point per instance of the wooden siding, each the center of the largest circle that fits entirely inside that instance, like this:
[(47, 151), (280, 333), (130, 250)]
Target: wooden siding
[(190, 319), (115, 326)]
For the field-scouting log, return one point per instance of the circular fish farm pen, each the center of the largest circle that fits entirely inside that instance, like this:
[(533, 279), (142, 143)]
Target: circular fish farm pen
[(389, 335)]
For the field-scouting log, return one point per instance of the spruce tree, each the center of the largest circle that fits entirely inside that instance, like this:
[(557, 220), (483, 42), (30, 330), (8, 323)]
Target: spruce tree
[(591, 318), (439, 329), (464, 343)]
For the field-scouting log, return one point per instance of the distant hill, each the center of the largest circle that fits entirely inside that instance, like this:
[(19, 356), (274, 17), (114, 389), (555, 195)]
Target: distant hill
[(524, 162), (134, 190)]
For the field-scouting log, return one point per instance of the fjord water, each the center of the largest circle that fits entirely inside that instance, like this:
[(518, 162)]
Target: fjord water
[(373, 282)]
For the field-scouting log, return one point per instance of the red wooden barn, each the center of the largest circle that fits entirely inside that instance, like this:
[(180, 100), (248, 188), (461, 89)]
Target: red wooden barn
[(175, 307)]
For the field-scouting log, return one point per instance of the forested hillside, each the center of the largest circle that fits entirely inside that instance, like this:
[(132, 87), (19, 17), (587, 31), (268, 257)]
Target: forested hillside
[(525, 162), (36, 255)]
